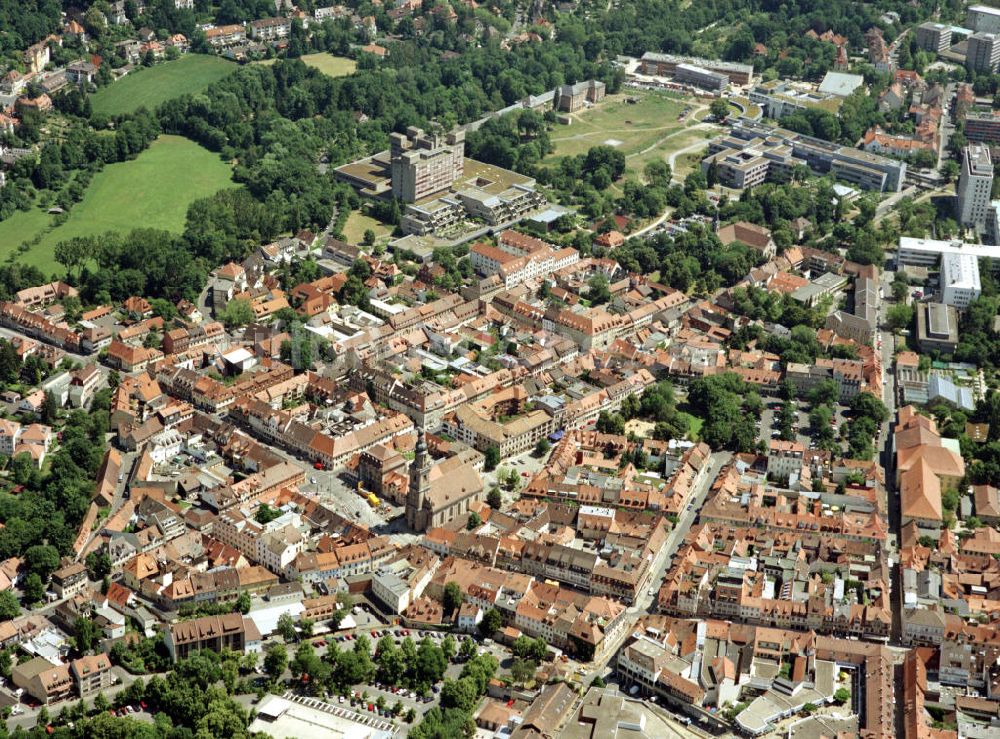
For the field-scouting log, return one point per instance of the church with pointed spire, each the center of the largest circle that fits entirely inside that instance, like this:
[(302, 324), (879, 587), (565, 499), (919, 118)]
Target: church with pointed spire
[(441, 492)]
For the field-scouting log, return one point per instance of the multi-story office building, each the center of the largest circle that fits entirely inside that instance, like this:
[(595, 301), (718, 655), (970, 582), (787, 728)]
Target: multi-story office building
[(423, 165), (754, 152), (982, 126), (960, 283), (975, 183), (665, 65), (934, 37), (983, 53), (706, 79)]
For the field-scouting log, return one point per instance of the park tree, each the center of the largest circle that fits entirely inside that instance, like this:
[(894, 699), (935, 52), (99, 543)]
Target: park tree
[(389, 661), (491, 458), (42, 559), (286, 627), (598, 289), (494, 499), (448, 647), (87, 633), (9, 607), (275, 661), (453, 597), (719, 109), (73, 254), (523, 671), (33, 589), (460, 694), (50, 408), (491, 623), (899, 316), (467, 651), (243, 602), (238, 312), (101, 703), (98, 565)]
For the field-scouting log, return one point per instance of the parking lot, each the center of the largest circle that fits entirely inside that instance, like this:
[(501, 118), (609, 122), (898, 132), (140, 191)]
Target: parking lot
[(768, 428), (365, 698), (525, 464)]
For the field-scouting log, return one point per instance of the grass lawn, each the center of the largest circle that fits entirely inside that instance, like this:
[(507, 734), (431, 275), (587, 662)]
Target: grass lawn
[(151, 191), (686, 163), (679, 139), (694, 422), (154, 85), (358, 223), (330, 65), (633, 127)]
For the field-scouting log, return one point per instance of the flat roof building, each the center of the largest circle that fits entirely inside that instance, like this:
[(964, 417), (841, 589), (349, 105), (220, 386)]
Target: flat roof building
[(423, 164), (960, 283), (983, 52), (928, 252), (664, 65), (934, 37), (975, 183), (755, 152), (937, 327), (983, 18), (982, 126), (689, 74)]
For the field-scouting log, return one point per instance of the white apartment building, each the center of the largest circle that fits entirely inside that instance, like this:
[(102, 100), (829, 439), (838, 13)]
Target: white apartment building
[(784, 458), (960, 283), (974, 185), (514, 269), (10, 434), (278, 549)]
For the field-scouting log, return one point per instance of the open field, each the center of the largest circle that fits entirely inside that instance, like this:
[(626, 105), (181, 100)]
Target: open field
[(630, 128), (330, 65), (645, 131), (24, 226), (687, 163), (675, 142), (152, 191), (150, 87), (358, 223)]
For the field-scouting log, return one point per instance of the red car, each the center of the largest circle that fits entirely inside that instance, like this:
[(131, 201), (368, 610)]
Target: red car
[(374, 633)]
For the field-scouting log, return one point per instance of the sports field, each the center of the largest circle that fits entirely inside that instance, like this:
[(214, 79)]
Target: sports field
[(152, 191), (154, 85)]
